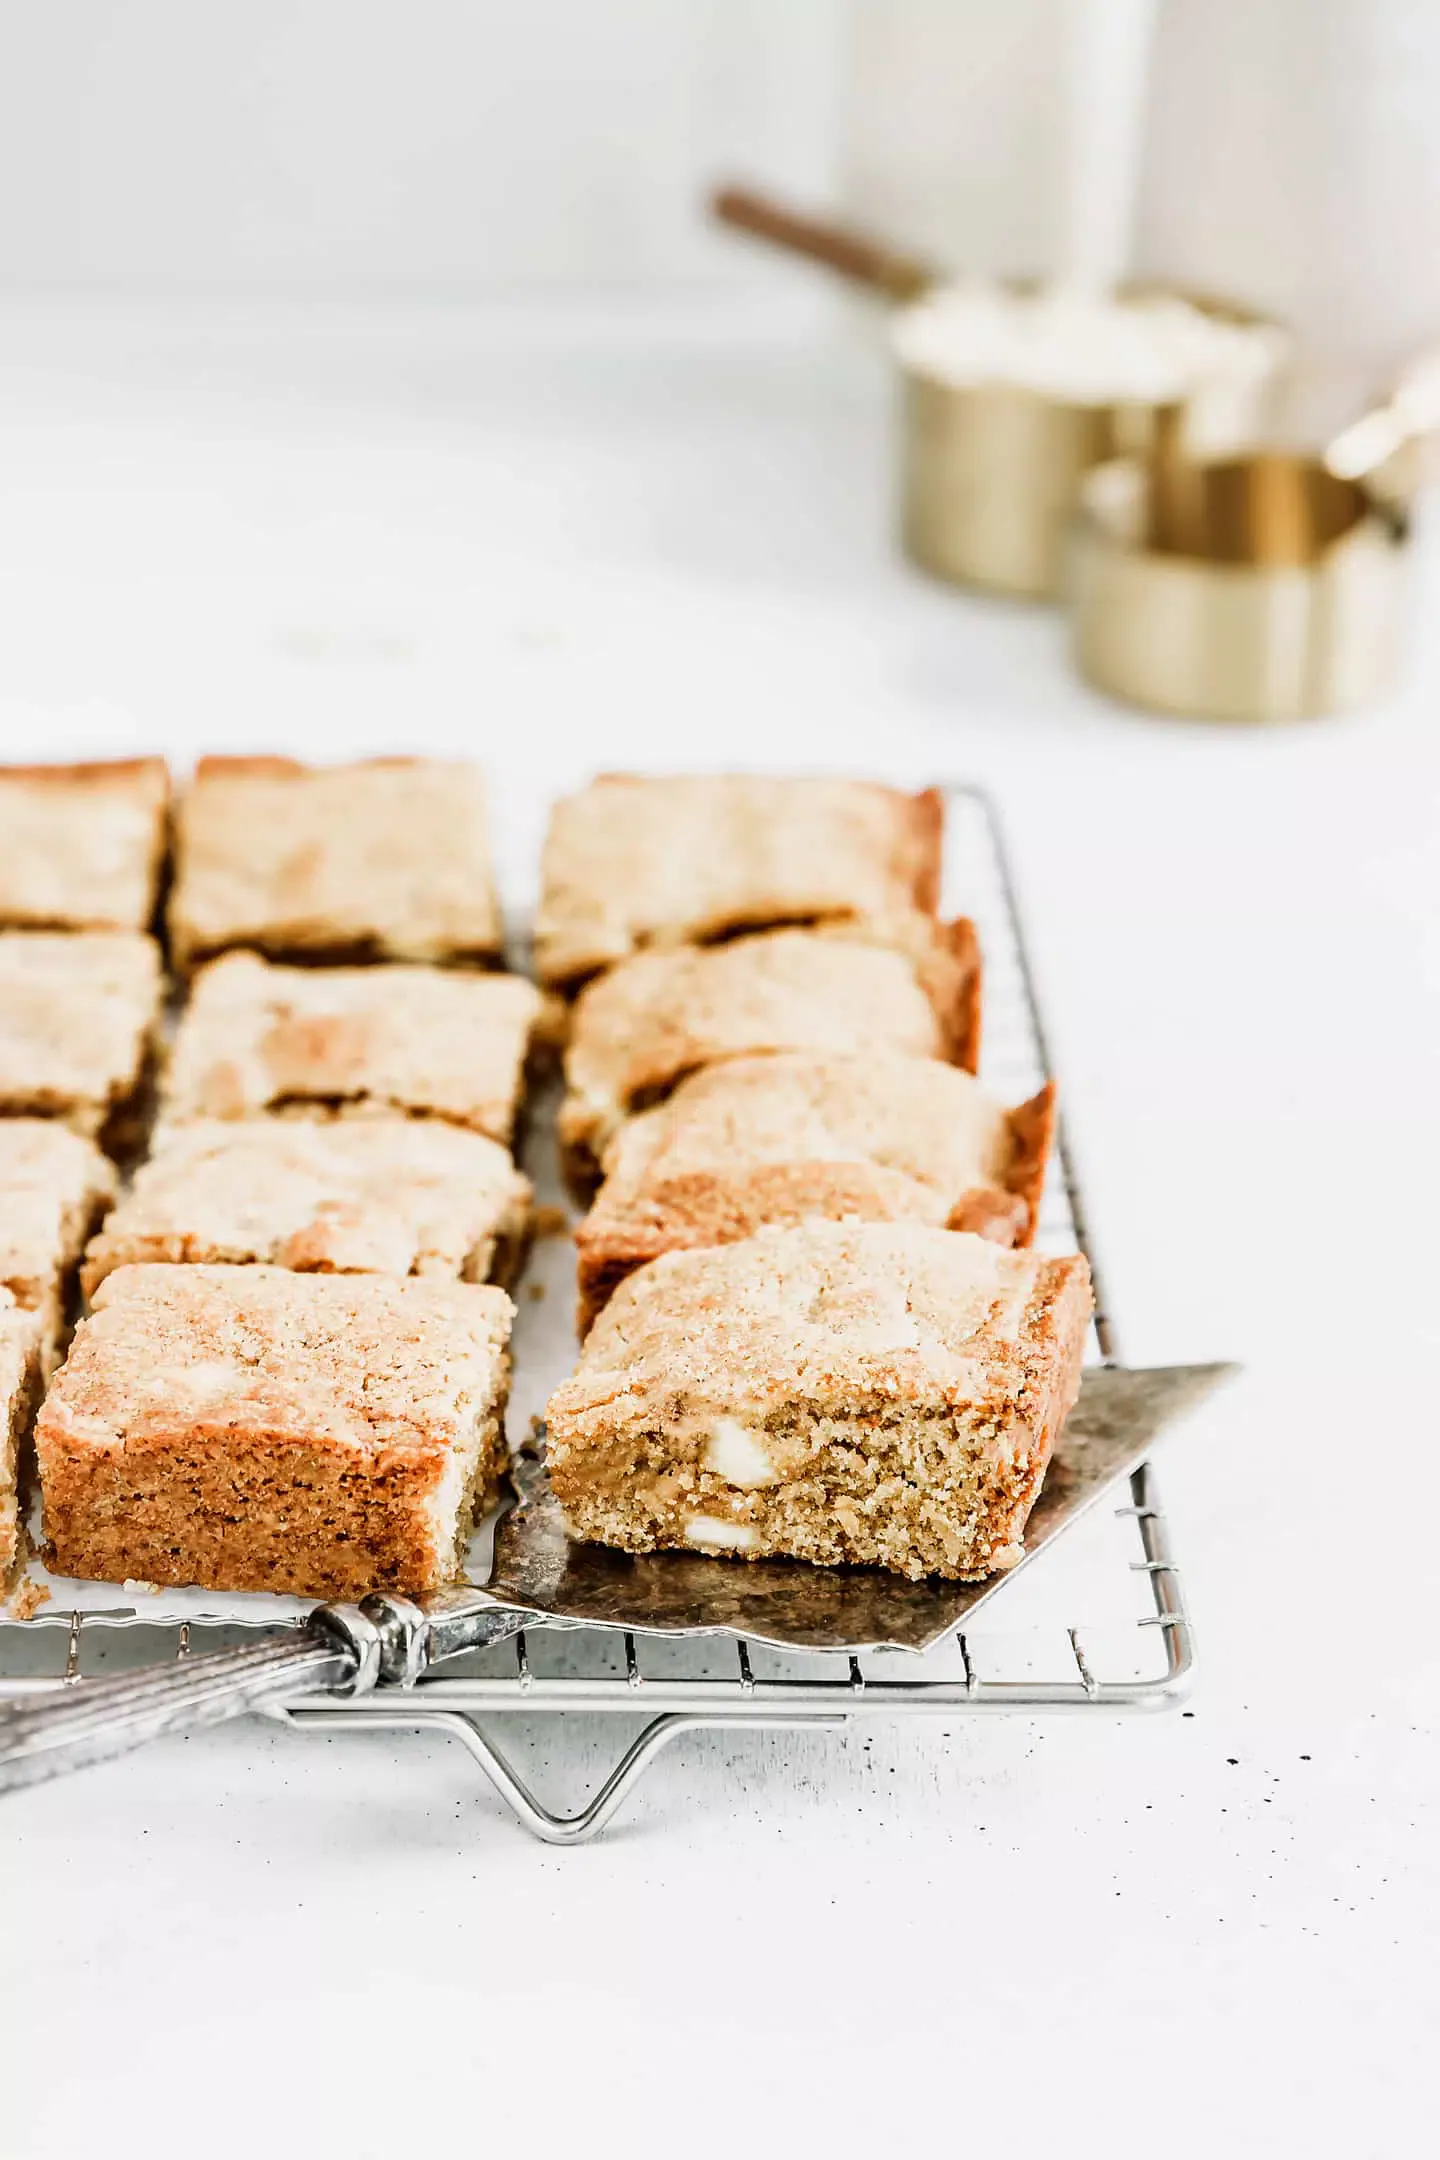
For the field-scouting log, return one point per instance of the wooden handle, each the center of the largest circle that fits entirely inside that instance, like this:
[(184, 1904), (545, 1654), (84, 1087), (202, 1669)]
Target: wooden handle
[(864, 262)]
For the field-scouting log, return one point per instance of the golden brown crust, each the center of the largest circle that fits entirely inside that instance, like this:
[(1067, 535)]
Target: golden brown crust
[(1033, 1127), (309, 1523), (928, 849), (247, 1428), (719, 1208), (95, 770), (217, 767), (959, 993), (987, 1211), (273, 766)]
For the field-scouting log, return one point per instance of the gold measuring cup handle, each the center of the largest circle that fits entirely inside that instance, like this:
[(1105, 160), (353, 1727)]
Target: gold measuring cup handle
[(1392, 448)]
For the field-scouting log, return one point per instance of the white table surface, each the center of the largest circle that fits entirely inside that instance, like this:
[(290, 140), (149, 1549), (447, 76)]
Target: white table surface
[(564, 543)]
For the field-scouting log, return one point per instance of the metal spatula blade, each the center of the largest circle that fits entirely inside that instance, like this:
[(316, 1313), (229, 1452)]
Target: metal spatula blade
[(541, 1576)]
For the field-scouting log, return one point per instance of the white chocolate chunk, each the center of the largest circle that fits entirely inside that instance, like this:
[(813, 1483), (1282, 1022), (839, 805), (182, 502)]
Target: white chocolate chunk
[(736, 1453), (204, 1376), (712, 1530)]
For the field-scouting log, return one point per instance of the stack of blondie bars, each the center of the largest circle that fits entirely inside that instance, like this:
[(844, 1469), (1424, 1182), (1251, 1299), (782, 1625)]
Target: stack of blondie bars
[(811, 1322), (810, 1326)]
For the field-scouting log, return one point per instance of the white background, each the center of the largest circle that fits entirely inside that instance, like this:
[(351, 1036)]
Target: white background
[(656, 540), (561, 532), (350, 145)]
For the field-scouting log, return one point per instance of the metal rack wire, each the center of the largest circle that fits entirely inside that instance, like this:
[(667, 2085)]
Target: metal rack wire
[(656, 1692)]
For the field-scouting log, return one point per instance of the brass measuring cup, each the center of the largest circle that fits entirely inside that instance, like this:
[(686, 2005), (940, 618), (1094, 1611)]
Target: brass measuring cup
[(991, 472), (1272, 586)]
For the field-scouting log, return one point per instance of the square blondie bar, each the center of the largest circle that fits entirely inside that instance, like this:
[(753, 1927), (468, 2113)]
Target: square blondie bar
[(54, 1188), (388, 1196), (384, 860), (640, 1029), (632, 862), (791, 1138), (876, 1392), (82, 846), (246, 1428), (323, 1042), (78, 1021)]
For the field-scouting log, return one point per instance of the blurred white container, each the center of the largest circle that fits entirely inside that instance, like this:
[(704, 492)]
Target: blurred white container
[(998, 142), (953, 131), (1292, 161)]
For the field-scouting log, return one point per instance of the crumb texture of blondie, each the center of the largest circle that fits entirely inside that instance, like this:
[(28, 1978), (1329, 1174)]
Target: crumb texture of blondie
[(631, 862), (81, 846), (387, 859), (390, 1196), (319, 1042), (78, 1015), (248, 1428), (20, 1362), (54, 1188), (791, 1137), (879, 1393), (641, 1028)]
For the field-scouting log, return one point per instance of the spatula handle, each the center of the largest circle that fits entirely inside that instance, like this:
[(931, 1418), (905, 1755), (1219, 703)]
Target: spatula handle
[(96, 1719), (851, 254)]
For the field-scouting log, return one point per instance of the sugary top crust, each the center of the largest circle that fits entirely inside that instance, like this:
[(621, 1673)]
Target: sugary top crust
[(51, 1181), (81, 845), (75, 1011), (358, 1363), (396, 1196), (661, 1014), (425, 1040), (835, 1316), (637, 861), (927, 1124), (391, 855)]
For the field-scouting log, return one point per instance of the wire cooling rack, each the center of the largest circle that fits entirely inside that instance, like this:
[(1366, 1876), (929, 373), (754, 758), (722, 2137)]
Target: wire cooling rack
[(617, 1701)]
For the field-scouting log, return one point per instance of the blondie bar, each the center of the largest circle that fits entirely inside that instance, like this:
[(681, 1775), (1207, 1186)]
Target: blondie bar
[(632, 862), (78, 1019), (323, 1042), (54, 1188), (886, 1393), (386, 860), (82, 846), (388, 1196), (640, 1029), (247, 1428)]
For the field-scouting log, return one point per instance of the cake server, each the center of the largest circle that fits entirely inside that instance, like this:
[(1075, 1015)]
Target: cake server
[(541, 1577)]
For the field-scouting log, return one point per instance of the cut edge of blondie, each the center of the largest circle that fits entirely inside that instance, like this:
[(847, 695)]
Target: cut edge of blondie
[(947, 1492)]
